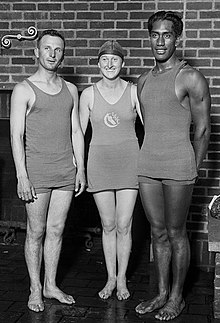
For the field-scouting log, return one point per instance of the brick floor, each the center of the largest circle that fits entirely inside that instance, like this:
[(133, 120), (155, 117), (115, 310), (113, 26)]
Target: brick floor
[(82, 273)]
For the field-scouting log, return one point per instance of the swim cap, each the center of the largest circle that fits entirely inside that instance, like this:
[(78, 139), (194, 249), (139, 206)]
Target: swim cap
[(111, 47)]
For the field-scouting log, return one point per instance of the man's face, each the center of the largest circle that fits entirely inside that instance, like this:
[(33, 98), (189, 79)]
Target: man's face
[(110, 65), (163, 40), (50, 52)]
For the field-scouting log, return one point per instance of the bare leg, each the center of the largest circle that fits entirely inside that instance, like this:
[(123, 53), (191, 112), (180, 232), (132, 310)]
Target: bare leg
[(57, 213), (153, 202), (125, 201), (178, 200), (36, 222), (105, 202)]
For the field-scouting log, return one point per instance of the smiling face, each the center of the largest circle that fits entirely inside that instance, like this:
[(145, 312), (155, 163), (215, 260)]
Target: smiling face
[(50, 52), (110, 66), (163, 40)]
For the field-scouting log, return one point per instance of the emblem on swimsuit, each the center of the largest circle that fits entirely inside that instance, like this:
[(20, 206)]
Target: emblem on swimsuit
[(111, 120)]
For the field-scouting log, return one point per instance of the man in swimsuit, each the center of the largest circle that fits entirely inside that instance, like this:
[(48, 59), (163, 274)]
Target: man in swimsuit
[(171, 95), (48, 150)]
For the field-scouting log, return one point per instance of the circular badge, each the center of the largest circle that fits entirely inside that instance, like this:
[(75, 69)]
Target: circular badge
[(111, 120)]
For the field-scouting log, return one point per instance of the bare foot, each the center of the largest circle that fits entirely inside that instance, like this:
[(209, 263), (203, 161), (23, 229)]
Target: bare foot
[(59, 295), (171, 310), (35, 302), (106, 292), (122, 291), (151, 305)]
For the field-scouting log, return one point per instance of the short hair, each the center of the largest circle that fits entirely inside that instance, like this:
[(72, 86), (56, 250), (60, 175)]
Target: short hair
[(50, 32), (167, 15)]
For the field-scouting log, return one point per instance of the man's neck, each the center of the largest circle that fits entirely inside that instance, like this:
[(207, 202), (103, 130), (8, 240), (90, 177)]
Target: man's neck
[(45, 76), (162, 67), (48, 82)]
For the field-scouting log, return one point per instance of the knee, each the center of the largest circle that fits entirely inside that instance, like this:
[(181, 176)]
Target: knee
[(159, 235), (35, 232), (108, 227), (55, 230), (177, 233), (123, 229)]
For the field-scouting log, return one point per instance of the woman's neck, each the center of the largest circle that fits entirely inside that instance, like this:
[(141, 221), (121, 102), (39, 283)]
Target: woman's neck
[(111, 84)]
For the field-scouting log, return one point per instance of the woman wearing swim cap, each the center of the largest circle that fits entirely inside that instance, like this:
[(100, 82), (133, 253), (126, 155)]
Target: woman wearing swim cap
[(111, 105)]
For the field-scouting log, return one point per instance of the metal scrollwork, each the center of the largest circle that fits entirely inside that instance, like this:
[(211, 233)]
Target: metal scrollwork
[(6, 42)]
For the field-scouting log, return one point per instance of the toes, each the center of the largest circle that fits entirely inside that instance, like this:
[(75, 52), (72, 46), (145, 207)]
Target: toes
[(140, 309), (170, 311), (143, 308), (101, 295), (68, 299), (119, 296), (106, 292), (33, 308), (104, 295), (150, 305), (41, 307), (36, 307), (35, 302), (123, 295), (60, 296)]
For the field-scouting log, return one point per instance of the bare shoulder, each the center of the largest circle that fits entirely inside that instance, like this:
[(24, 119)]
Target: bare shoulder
[(133, 89), (22, 90), (22, 86), (71, 87), (142, 77), (22, 98), (191, 77), (87, 98), (87, 92), (140, 82)]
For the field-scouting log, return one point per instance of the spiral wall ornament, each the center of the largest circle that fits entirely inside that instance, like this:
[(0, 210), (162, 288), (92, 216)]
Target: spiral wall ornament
[(6, 40)]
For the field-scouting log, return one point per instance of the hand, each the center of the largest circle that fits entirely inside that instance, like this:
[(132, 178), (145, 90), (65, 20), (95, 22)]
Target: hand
[(26, 190), (80, 184)]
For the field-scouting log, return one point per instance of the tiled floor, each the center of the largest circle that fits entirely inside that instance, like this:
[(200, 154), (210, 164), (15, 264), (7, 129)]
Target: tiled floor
[(82, 274)]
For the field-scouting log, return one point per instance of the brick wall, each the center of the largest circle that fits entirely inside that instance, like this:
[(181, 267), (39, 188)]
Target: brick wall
[(86, 24)]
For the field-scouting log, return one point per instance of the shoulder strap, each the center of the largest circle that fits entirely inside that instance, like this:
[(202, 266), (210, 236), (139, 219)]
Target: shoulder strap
[(30, 83)]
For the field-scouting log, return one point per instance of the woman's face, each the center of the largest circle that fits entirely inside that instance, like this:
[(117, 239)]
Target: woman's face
[(110, 65)]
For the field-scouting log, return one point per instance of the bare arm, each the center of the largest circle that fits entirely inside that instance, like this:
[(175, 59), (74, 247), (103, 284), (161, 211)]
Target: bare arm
[(135, 101), (19, 104), (77, 142), (200, 104), (85, 105), (140, 85)]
